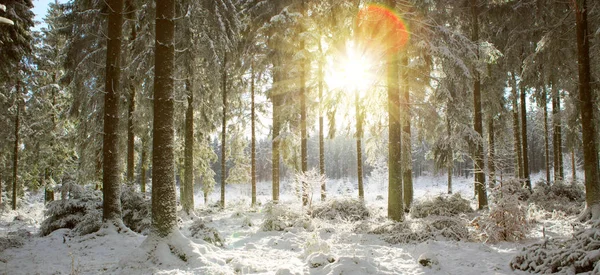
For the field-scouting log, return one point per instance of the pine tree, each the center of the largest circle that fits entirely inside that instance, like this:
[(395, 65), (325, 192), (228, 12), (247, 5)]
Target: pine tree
[(590, 151), (111, 185), (164, 216)]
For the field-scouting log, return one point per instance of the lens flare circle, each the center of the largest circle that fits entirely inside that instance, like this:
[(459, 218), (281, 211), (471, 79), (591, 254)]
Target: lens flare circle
[(380, 29)]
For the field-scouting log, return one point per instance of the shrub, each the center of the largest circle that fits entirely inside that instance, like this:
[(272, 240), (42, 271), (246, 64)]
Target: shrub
[(507, 218), (136, 210), (14, 239), (83, 205), (342, 209), (560, 197), (82, 212), (416, 231), (200, 230), (576, 255), (279, 217), (441, 206)]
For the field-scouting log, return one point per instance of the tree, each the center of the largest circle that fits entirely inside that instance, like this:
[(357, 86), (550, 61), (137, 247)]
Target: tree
[(164, 215), (477, 123), (590, 152)]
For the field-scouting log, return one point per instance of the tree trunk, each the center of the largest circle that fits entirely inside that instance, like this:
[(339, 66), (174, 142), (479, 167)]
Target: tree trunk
[(557, 136), (223, 131), (130, 11), (253, 142), (276, 129), (144, 166), (15, 185), (546, 139), (1, 172), (321, 134), (303, 132), (491, 150), (359, 167), (586, 97), (451, 153), (164, 204), (395, 192), (187, 200), (130, 135), (478, 123), (405, 116), (524, 137), (516, 130), (573, 165), (111, 186)]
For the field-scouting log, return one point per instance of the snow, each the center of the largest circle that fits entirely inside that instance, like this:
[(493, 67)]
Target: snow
[(324, 247)]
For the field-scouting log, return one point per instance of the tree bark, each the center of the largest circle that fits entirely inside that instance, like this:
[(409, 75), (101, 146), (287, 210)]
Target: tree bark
[(223, 131), (187, 200), (359, 166), (524, 137), (491, 150), (15, 184), (450, 163), (131, 109), (144, 166), (164, 204), (303, 132), (478, 123), (111, 186), (405, 115), (546, 139), (275, 98), (573, 166), (395, 188), (590, 152), (321, 134), (516, 129), (557, 122), (253, 142)]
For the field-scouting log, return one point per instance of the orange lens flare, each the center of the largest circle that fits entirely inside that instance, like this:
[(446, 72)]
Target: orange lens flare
[(380, 29)]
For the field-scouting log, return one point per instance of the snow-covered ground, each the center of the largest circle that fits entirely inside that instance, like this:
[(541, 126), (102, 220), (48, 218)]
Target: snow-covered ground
[(328, 247)]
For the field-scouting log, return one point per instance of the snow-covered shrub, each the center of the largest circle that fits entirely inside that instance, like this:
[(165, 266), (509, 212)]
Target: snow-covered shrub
[(515, 188), (314, 244), (507, 217), (342, 209), (441, 206), (560, 197), (200, 230), (308, 181), (136, 210), (279, 217), (416, 231), (14, 239), (83, 205), (576, 255), (82, 211)]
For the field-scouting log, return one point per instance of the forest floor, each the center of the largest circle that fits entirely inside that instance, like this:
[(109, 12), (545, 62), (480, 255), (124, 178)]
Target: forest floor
[(326, 247)]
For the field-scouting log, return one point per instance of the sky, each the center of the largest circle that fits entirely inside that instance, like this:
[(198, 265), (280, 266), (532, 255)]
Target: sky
[(40, 7)]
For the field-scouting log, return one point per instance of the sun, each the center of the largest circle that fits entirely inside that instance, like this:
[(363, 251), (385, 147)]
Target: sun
[(351, 71)]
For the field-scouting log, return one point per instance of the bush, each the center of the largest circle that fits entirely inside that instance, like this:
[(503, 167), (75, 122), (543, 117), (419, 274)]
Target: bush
[(200, 230), (560, 197), (576, 255), (507, 218), (342, 209), (279, 217), (441, 206), (84, 205), (14, 239), (82, 212), (432, 228), (136, 211)]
